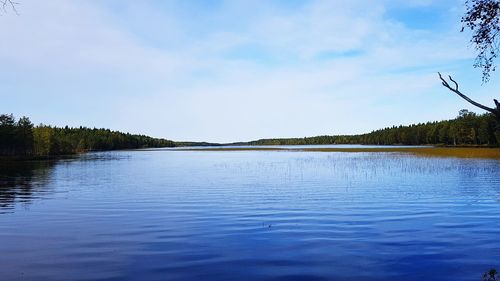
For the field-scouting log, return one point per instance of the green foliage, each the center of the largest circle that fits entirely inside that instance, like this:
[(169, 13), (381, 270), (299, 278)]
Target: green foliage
[(467, 129), (483, 19), (21, 138), (15, 137)]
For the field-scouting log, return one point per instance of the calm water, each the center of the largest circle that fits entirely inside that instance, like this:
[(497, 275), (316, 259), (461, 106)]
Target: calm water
[(288, 146), (250, 215)]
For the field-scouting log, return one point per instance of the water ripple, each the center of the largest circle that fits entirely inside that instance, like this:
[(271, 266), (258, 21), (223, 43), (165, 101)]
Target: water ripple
[(163, 215)]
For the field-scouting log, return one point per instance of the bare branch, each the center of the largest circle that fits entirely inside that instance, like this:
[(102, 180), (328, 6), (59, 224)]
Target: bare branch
[(455, 82), (9, 3), (456, 91), (444, 82)]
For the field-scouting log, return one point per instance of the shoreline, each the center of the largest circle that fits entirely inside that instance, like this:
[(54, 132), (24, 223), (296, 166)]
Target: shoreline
[(485, 152), (439, 151)]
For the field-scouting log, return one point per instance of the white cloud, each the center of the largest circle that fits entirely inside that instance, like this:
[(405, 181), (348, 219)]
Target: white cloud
[(167, 72)]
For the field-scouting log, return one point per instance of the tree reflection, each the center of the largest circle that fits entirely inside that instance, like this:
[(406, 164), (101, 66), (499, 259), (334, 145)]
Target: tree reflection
[(23, 181)]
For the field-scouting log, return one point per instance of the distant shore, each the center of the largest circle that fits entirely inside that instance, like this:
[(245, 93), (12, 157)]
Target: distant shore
[(428, 151), (461, 152)]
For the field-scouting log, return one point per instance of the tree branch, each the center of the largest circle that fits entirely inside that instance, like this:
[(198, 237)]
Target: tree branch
[(11, 3), (455, 82), (456, 91)]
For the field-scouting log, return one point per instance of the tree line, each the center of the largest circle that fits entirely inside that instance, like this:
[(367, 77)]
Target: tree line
[(468, 128), (21, 138)]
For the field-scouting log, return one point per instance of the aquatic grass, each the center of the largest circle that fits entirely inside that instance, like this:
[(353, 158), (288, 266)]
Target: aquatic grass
[(459, 152), (491, 275)]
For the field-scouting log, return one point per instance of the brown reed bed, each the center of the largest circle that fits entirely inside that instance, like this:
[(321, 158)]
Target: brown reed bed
[(461, 152)]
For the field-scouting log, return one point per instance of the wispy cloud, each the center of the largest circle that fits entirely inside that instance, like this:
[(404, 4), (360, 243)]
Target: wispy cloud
[(231, 70)]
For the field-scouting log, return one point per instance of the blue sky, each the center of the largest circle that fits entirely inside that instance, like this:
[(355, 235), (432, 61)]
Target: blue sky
[(236, 70)]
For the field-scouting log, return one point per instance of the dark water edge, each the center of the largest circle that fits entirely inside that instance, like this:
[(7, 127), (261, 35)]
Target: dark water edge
[(482, 151), (249, 215), (20, 180)]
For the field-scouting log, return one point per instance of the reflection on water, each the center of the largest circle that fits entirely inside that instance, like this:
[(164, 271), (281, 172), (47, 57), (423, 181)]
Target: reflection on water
[(22, 181), (250, 215)]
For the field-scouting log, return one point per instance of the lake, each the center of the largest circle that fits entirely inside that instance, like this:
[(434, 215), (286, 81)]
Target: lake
[(249, 215)]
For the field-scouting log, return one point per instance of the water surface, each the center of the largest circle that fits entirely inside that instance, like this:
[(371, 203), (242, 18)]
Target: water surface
[(249, 215)]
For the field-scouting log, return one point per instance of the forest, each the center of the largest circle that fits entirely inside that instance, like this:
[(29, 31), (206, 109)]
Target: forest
[(21, 138), (468, 128)]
